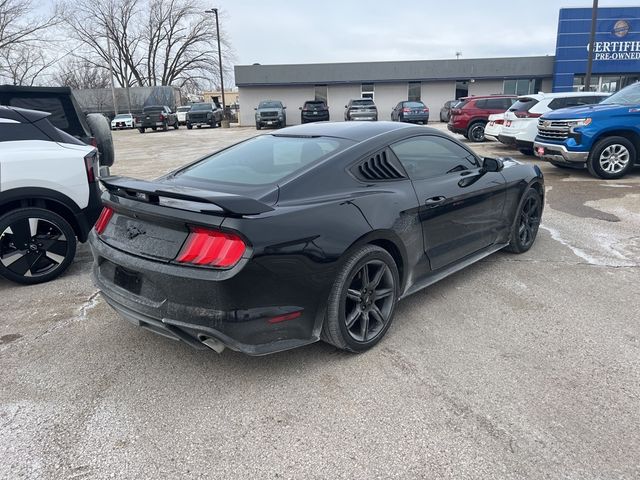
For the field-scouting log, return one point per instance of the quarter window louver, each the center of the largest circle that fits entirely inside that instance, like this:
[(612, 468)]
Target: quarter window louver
[(378, 167)]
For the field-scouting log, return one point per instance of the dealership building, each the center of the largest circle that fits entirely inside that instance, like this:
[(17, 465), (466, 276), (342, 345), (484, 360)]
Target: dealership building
[(616, 63)]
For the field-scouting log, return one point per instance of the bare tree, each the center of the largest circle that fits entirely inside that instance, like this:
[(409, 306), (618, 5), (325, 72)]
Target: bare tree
[(23, 64), (81, 74), (154, 42), (19, 24), (23, 57)]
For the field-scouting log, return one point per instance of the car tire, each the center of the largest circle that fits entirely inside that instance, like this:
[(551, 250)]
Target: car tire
[(155, 129), (141, 130), (611, 158), (357, 317), (526, 222), (189, 126), (176, 125), (475, 132), (165, 127), (198, 126), (283, 124), (101, 131), (258, 126), (526, 151), (48, 251)]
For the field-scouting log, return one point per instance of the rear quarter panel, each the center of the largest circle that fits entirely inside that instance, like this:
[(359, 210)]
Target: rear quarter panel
[(46, 165)]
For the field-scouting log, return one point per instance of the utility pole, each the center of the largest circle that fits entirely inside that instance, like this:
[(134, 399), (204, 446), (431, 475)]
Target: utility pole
[(224, 105), (592, 41), (113, 88)]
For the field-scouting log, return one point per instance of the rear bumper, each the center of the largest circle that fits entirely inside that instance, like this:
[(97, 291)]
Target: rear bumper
[(315, 118), (454, 129), (368, 116), (415, 118), (514, 142), (558, 153), (235, 307)]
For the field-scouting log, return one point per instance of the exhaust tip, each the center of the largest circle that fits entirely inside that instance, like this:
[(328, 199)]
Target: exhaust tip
[(213, 344)]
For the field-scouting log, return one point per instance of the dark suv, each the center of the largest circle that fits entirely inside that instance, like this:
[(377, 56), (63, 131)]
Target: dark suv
[(314, 111), (471, 115)]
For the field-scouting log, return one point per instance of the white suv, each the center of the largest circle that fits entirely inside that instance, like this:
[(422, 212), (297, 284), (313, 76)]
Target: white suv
[(521, 120), (49, 196)]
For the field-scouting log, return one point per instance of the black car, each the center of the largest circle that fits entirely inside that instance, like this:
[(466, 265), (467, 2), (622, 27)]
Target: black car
[(312, 232), (410, 112), (314, 111)]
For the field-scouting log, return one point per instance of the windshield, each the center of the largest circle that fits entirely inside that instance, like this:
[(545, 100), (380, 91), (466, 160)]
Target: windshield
[(153, 109), (414, 104), (122, 116), (201, 106), (627, 96), (368, 103), (270, 105), (263, 160)]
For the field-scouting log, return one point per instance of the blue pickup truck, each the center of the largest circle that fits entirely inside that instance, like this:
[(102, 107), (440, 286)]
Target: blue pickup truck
[(605, 136)]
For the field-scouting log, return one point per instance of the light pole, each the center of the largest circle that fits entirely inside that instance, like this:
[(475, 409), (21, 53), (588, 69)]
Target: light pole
[(592, 40), (224, 106)]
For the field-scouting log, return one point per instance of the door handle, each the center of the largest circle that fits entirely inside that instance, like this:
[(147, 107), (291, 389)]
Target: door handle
[(434, 201)]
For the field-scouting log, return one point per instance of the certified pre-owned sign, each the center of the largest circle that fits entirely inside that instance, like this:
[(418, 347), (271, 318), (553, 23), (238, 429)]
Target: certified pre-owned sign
[(617, 49)]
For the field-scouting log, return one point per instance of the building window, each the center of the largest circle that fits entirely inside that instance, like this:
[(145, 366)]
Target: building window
[(415, 90), (366, 90), (321, 93), (522, 86)]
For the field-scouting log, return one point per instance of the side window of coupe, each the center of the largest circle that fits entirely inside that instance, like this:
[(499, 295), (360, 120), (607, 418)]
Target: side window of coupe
[(431, 156)]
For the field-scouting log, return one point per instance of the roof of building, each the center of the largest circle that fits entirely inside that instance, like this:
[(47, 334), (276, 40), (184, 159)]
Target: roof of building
[(402, 71)]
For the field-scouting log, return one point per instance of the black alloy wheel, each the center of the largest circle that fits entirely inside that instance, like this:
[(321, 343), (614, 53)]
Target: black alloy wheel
[(362, 301), (527, 222), (141, 130), (476, 132), (36, 245)]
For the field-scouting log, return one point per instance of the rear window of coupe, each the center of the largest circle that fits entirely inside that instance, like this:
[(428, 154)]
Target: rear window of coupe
[(264, 160)]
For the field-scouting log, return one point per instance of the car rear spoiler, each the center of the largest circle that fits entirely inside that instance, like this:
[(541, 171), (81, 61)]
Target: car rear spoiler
[(236, 205)]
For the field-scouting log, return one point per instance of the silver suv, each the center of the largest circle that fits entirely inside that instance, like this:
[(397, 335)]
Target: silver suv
[(361, 109)]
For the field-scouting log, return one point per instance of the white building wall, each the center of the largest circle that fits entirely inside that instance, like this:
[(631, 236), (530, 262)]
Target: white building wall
[(486, 87), (434, 94)]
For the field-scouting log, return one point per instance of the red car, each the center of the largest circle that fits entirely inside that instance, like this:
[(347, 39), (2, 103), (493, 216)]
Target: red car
[(469, 117)]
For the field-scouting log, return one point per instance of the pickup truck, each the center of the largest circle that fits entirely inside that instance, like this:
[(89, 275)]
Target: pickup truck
[(156, 116), (204, 114), (605, 137)]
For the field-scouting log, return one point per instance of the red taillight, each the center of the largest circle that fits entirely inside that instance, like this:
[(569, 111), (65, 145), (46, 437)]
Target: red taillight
[(93, 142), (161, 116), (90, 165), (103, 219), (455, 111), (211, 247), (500, 121), (406, 109), (527, 114), (425, 110)]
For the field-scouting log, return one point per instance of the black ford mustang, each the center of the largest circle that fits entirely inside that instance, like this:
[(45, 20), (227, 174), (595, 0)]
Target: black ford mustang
[(313, 232)]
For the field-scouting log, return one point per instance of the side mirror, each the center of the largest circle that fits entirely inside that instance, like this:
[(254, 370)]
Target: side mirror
[(300, 108), (346, 106), (256, 109), (284, 107), (492, 164)]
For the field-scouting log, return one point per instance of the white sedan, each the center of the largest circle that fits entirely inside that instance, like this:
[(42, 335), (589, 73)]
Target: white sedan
[(122, 120)]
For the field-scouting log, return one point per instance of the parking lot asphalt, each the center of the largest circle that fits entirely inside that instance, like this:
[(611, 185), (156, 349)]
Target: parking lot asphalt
[(520, 366)]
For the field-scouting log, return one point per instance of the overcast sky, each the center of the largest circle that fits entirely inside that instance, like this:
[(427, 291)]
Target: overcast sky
[(312, 31)]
